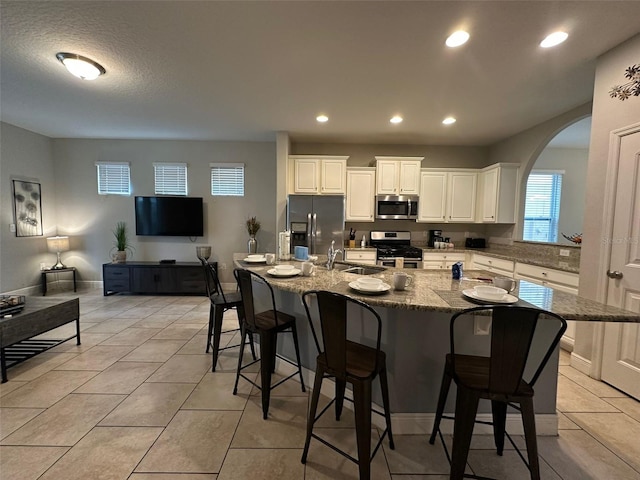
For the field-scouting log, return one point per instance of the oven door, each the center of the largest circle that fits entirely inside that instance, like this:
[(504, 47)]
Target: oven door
[(396, 207)]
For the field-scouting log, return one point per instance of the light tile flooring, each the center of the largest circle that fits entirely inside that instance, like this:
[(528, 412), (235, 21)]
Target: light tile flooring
[(137, 401)]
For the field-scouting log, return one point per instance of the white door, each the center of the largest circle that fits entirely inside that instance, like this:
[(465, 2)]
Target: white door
[(621, 349)]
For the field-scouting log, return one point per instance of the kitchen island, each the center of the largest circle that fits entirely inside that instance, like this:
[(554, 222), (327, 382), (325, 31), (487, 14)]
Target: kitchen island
[(415, 333)]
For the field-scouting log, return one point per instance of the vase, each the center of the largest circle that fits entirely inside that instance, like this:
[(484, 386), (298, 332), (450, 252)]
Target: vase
[(120, 257), (252, 244)]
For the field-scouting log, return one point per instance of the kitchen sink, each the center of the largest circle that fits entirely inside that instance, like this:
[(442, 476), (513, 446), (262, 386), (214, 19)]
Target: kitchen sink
[(357, 269)]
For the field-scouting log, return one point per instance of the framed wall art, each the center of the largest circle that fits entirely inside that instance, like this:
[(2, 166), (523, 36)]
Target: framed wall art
[(27, 205)]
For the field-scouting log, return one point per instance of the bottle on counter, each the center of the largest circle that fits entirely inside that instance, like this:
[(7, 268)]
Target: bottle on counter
[(363, 242), (456, 271)]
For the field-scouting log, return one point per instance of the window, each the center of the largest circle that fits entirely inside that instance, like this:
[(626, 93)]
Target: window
[(227, 179), (170, 178), (113, 178), (542, 206)]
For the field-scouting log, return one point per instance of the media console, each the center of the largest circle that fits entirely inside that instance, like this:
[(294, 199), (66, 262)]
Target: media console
[(180, 278)]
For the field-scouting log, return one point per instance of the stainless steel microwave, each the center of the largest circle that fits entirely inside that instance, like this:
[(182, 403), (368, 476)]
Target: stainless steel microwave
[(397, 207)]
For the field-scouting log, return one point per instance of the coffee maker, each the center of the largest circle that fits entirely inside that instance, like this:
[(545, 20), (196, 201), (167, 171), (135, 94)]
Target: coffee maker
[(434, 236)]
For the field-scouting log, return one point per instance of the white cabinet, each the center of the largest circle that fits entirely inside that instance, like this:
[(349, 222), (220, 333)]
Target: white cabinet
[(499, 193), (447, 196), (441, 260), (361, 190), (498, 266), (366, 256), (398, 175), (319, 175)]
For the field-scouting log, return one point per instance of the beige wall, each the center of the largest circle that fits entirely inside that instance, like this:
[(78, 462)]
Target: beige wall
[(608, 114), (25, 156), (574, 181)]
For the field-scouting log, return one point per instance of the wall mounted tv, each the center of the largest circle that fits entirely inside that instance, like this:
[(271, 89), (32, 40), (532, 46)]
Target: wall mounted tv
[(169, 216)]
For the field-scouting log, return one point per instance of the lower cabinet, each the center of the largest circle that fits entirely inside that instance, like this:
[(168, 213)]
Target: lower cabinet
[(499, 266), (365, 256), (441, 260), (184, 278)]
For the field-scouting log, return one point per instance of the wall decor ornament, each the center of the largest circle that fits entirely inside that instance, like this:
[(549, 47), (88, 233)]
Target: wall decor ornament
[(631, 88), (27, 206)]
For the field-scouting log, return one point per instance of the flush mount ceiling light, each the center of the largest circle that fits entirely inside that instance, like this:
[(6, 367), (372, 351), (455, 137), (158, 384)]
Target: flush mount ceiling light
[(449, 121), (553, 39), (457, 38), (81, 67), (396, 119), (322, 118)]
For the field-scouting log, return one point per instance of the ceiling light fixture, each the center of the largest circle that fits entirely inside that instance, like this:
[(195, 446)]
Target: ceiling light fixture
[(553, 39), (449, 121), (322, 118), (396, 119), (457, 38), (81, 67)]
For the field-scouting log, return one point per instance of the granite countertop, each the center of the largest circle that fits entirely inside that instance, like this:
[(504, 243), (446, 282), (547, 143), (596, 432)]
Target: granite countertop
[(435, 290)]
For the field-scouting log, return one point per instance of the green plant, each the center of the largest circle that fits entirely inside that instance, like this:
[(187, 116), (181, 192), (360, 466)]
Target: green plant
[(253, 225), (120, 232)]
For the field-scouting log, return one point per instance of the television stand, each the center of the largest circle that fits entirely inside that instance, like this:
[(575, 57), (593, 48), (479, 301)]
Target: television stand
[(153, 278)]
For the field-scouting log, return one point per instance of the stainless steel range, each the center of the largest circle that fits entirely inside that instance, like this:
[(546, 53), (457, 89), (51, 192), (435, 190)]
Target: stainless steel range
[(394, 250)]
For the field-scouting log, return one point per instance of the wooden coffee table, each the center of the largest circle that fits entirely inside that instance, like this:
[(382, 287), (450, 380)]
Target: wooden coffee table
[(38, 316)]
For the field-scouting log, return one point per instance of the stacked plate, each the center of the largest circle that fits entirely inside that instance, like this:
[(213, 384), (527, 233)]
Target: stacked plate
[(260, 258), (370, 285), (284, 271), (489, 294)]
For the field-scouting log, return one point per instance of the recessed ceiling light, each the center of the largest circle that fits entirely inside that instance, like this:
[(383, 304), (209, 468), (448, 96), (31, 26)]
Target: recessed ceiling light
[(553, 39), (322, 118), (396, 119), (81, 67), (448, 121), (457, 38)]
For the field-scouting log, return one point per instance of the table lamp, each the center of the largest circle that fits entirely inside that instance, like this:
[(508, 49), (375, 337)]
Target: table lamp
[(58, 244)]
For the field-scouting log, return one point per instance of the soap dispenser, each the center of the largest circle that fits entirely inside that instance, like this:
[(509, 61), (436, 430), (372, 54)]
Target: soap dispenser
[(363, 242)]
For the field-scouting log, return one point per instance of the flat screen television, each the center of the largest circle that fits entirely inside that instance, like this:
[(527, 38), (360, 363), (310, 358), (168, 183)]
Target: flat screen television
[(169, 216)]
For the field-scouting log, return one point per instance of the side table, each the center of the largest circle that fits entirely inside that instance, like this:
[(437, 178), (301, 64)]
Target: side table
[(57, 270)]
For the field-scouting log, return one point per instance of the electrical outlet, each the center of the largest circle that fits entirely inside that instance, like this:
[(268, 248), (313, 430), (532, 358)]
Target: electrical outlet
[(223, 266), (564, 252), (563, 264), (12, 227)]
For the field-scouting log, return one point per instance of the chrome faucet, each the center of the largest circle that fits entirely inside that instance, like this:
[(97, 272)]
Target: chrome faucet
[(331, 255)]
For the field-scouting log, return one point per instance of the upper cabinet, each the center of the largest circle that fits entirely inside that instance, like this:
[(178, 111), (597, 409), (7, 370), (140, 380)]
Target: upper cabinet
[(398, 175), (361, 190), (499, 193), (319, 174), (447, 196)]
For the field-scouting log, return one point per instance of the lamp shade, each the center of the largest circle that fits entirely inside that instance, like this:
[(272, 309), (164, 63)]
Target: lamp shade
[(58, 244)]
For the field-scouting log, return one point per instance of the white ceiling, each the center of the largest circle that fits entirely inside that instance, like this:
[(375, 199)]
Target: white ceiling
[(244, 70)]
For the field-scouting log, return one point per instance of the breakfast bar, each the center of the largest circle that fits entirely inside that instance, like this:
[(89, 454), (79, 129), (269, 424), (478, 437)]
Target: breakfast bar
[(415, 333)]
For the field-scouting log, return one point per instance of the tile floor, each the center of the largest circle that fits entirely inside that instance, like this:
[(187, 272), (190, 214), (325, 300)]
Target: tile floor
[(137, 401)]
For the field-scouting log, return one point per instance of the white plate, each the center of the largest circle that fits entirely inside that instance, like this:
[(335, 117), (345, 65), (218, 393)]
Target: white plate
[(255, 259), (291, 273), (383, 287), (471, 293)]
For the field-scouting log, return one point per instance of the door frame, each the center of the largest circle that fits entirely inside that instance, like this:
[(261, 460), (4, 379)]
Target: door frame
[(611, 181)]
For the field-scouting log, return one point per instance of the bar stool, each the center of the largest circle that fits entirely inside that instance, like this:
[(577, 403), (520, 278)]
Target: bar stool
[(351, 362), (267, 324), (505, 376), (220, 303)]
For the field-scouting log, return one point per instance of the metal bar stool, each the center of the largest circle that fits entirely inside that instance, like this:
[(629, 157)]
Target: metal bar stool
[(220, 303), (351, 362), (506, 376), (267, 324)]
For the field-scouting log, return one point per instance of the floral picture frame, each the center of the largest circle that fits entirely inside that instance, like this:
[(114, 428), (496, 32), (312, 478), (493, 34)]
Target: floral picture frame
[(27, 207)]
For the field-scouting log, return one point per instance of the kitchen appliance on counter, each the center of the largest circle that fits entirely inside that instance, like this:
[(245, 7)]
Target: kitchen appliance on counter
[(284, 245), (394, 250), (434, 236), (397, 207), (475, 243), (314, 221)]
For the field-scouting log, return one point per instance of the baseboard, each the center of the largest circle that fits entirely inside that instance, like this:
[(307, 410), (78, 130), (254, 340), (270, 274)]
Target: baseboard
[(567, 343), (422, 423), (580, 363)]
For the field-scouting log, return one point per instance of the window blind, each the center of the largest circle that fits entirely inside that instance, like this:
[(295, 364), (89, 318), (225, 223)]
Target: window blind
[(113, 178), (170, 178), (542, 207), (227, 179)]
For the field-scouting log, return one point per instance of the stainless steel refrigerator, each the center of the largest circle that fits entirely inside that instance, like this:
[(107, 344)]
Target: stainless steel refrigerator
[(315, 220)]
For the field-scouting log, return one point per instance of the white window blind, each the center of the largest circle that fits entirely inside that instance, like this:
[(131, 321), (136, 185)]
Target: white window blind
[(170, 178), (542, 207), (227, 179), (113, 178)]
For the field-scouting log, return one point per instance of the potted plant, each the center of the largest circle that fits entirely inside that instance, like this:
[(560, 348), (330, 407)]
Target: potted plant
[(121, 243), (253, 225)]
